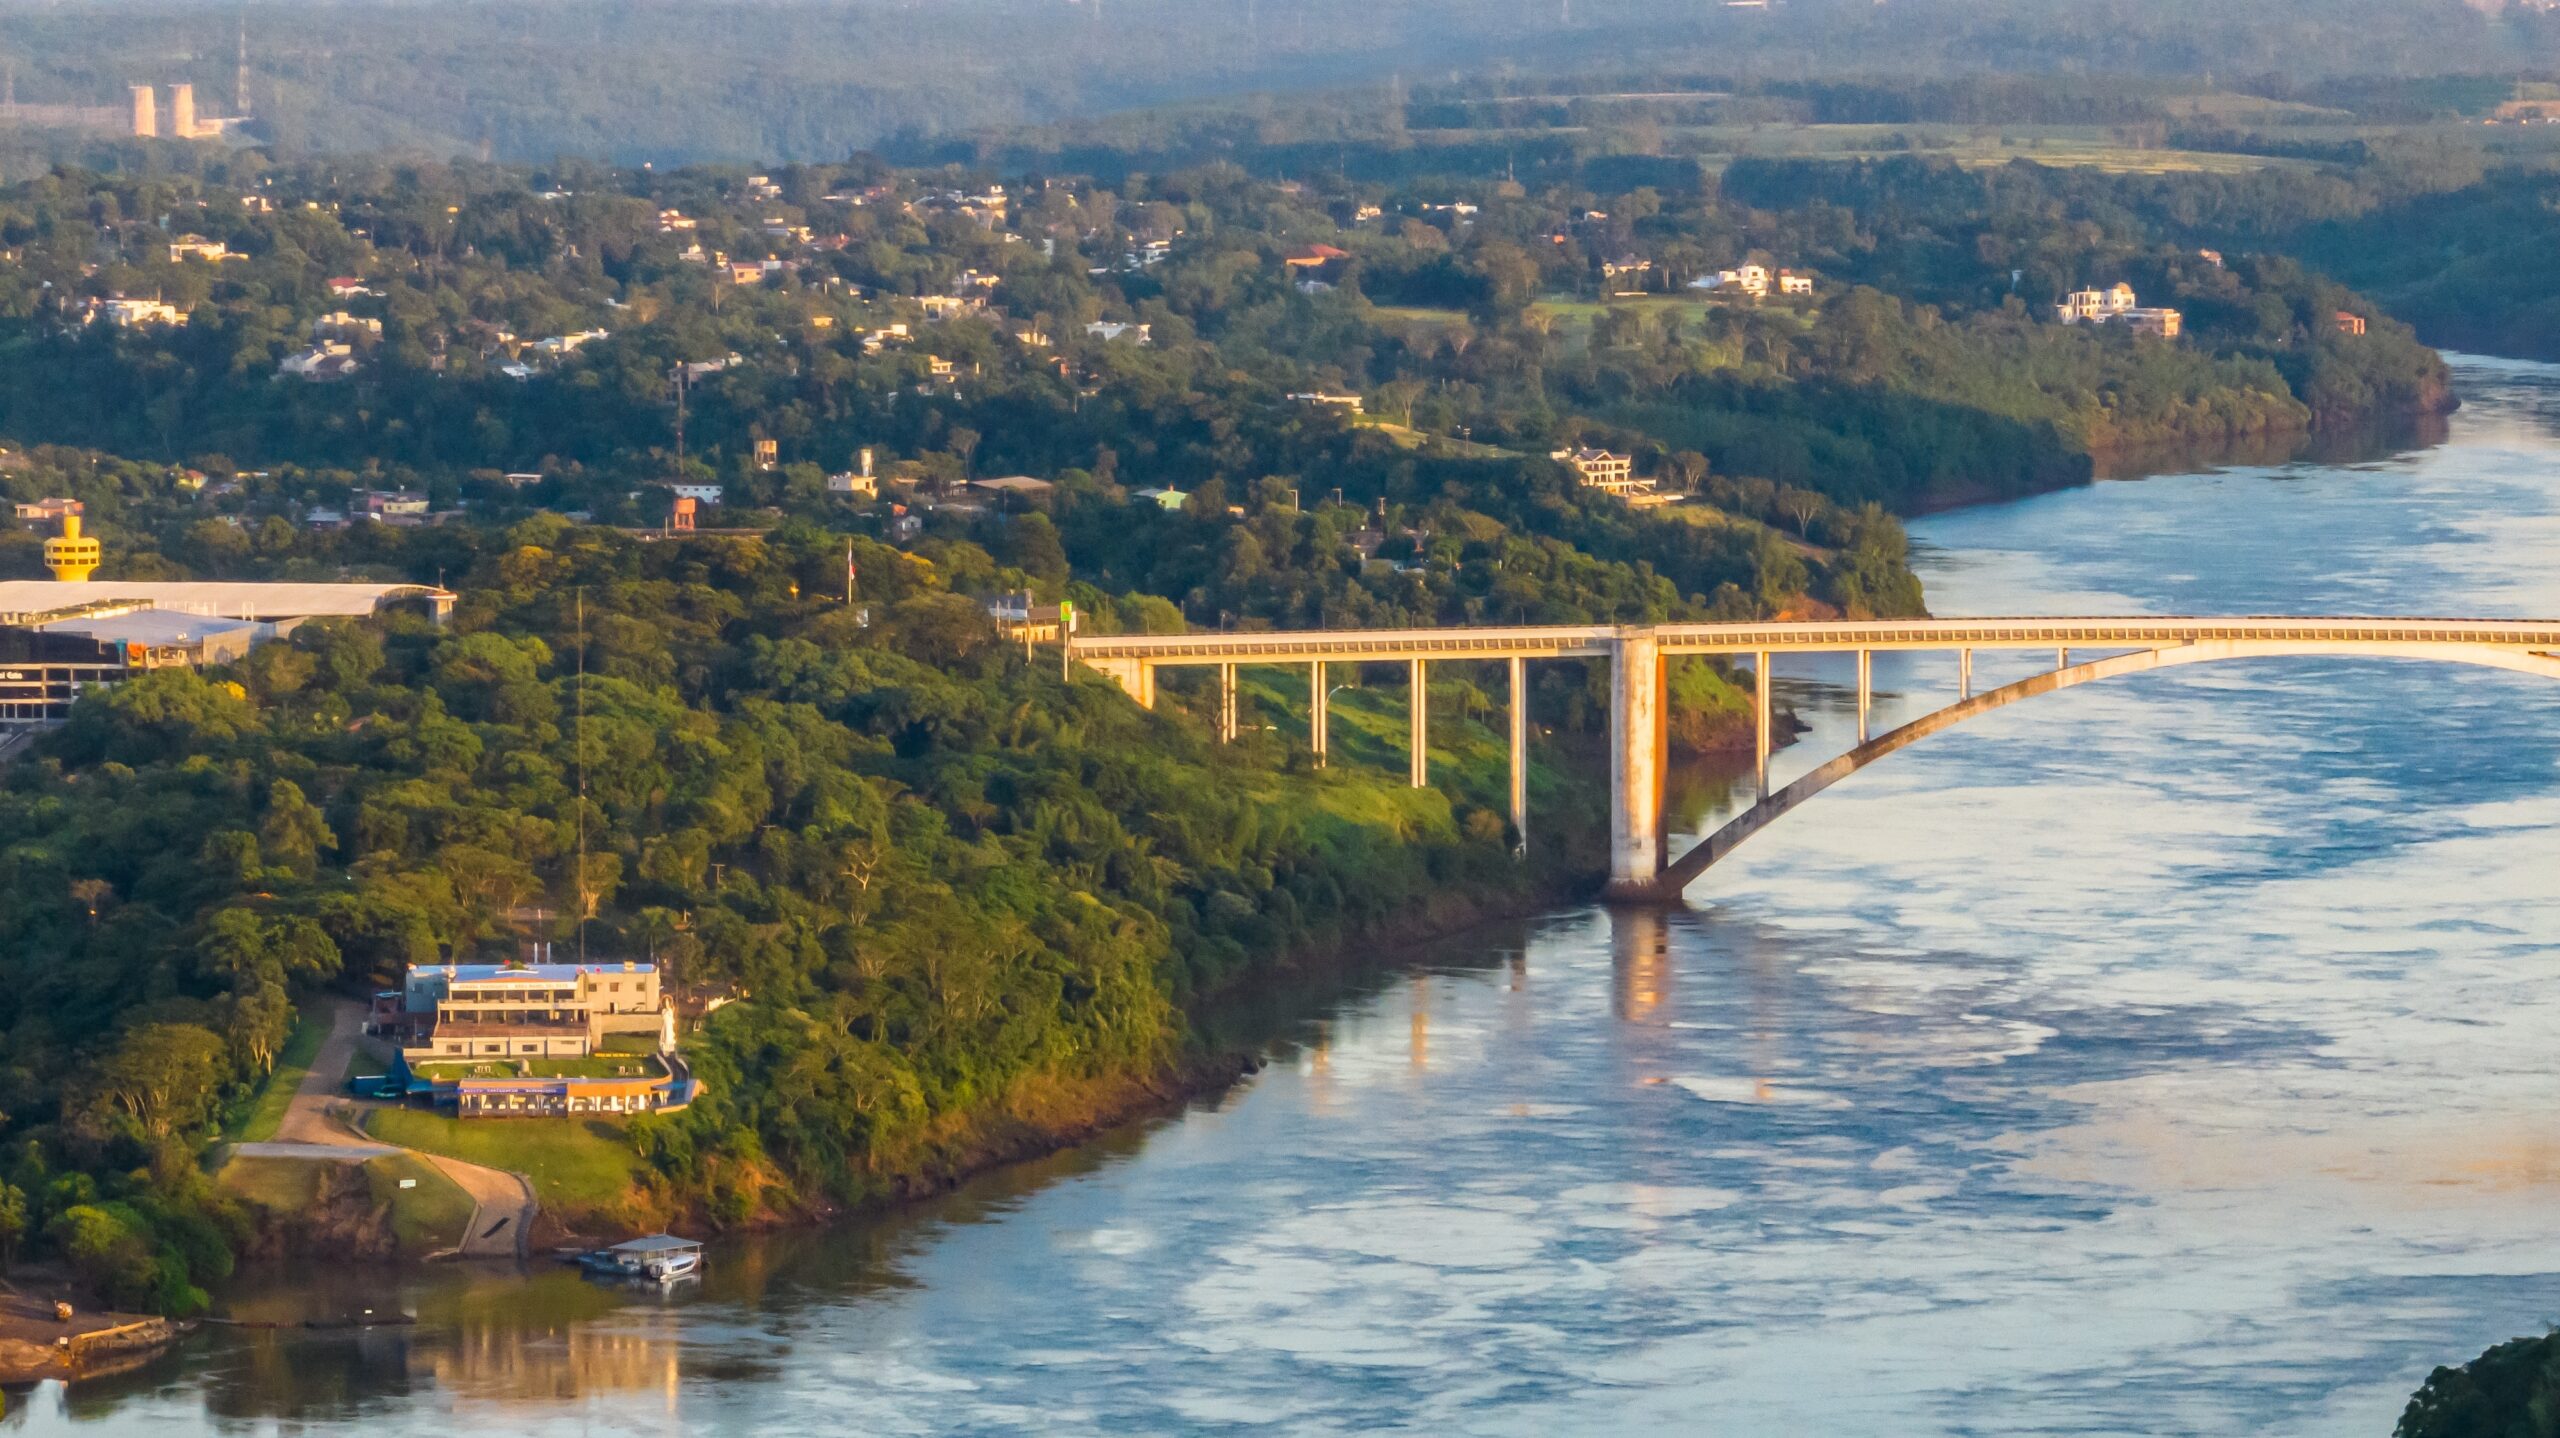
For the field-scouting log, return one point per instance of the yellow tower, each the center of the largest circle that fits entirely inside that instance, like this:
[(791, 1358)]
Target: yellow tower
[(72, 556)]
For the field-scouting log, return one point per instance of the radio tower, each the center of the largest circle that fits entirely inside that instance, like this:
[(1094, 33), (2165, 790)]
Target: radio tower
[(240, 79)]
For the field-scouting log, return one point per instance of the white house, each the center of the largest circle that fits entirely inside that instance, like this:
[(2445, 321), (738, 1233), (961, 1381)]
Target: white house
[(329, 359), (135, 314)]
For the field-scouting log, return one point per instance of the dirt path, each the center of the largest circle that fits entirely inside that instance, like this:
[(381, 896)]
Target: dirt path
[(309, 1118), (321, 1120)]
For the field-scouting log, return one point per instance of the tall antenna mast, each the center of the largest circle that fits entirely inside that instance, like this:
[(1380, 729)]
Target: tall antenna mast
[(683, 378), (582, 776), (240, 81)]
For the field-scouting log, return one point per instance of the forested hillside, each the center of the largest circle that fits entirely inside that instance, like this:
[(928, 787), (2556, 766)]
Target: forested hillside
[(955, 887)]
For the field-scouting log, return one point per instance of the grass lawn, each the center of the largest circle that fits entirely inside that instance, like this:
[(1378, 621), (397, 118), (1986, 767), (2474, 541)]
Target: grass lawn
[(1408, 437), (1420, 314), (287, 1185), (576, 1164), (432, 1215), (259, 1122), (424, 1218)]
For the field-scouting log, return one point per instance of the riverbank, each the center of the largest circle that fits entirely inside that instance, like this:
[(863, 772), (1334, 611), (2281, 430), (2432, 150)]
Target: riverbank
[(73, 1342)]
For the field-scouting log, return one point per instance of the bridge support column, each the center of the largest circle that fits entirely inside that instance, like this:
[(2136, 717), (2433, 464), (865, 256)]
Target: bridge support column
[(1964, 673), (1226, 703), (1316, 735), (1418, 713), (1136, 678), (1520, 752), (1635, 774), (1866, 689), (1760, 715)]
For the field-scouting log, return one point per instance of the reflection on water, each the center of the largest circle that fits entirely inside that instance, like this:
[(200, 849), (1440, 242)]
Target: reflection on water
[(2166, 1055)]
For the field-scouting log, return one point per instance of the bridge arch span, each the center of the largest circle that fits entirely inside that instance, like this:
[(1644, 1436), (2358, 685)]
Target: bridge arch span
[(1677, 875)]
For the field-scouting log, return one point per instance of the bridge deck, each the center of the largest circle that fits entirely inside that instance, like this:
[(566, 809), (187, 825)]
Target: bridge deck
[(1595, 640)]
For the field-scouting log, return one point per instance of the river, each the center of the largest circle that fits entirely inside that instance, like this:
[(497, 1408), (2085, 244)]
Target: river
[(2170, 1055)]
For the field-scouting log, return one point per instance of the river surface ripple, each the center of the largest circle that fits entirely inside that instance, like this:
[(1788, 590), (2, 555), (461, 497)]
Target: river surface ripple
[(2169, 1055)]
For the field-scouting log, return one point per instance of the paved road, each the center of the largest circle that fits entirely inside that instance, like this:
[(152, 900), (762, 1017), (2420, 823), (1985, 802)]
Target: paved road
[(349, 1152), (502, 1219)]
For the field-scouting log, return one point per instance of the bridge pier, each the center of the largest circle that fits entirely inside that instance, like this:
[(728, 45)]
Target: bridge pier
[(1226, 704), (1136, 677), (1418, 713), (1316, 707), (1866, 689), (1635, 772), (1520, 752), (1760, 715)]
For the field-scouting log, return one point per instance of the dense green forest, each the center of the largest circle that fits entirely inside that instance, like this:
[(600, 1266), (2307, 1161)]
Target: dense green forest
[(2511, 1391)]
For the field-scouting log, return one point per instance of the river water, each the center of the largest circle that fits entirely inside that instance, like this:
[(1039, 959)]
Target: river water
[(2169, 1055)]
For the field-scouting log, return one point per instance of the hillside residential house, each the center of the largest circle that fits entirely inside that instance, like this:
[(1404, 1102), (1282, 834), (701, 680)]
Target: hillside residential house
[(558, 346), (1314, 257), (2350, 323), (1791, 283), (1612, 474), (48, 513), (477, 1038), (1328, 399), (1752, 280), (2117, 305), (327, 360), (521, 1010), (397, 507), (1599, 468), (338, 324), (135, 314)]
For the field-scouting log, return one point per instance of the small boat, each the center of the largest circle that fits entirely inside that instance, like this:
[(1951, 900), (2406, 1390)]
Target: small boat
[(659, 1258)]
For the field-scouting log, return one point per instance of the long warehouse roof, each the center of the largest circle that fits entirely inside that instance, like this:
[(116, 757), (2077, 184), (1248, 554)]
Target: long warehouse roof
[(32, 600)]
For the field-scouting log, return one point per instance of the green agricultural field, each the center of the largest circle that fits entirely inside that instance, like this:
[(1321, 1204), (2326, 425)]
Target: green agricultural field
[(576, 1164)]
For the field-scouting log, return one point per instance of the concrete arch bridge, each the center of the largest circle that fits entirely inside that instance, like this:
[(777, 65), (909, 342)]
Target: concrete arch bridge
[(1639, 868)]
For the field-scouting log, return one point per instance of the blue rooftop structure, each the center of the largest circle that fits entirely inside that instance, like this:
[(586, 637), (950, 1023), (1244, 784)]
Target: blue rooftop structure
[(531, 973)]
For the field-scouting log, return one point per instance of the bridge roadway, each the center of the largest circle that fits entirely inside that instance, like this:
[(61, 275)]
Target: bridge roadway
[(1639, 869)]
